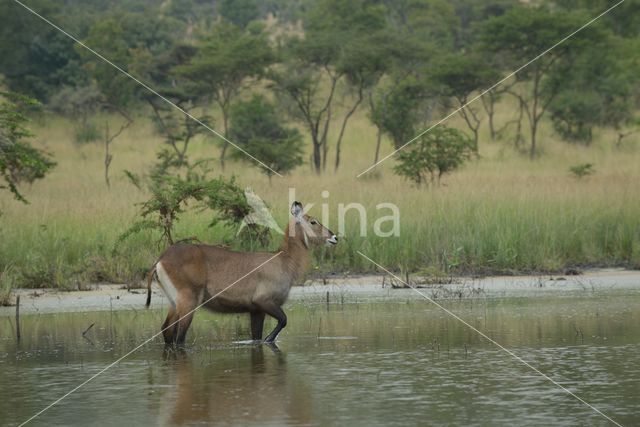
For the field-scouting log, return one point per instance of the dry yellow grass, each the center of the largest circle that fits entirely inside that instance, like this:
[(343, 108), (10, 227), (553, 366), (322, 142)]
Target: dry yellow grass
[(501, 212)]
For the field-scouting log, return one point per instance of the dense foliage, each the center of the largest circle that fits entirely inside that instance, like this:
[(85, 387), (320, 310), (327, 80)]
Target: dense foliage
[(20, 162), (408, 62), (255, 126)]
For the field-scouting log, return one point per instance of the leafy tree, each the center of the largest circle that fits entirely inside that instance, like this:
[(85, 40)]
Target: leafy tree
[(36, 58), (118, 92), (339, 46), (596, 89), (403, 100), (239, 12), (430, 21), (434, 154), (364, 65), (521, 34), (255, 126), (223, 63), (19, 161), (401, 107), (459, 76), (177, 128)]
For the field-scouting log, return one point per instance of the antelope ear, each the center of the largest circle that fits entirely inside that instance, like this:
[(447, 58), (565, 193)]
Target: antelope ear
[(296, 210)]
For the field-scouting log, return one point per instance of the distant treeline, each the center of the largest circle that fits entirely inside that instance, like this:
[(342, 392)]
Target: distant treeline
[(399, 61)]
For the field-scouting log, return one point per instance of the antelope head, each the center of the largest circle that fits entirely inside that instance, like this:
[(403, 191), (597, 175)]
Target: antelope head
[(313, 233)]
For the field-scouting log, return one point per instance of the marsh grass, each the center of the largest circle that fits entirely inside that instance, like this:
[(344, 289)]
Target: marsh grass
[(501, 213)]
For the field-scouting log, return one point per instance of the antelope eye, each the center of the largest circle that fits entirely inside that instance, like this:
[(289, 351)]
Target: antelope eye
[(314, 222)]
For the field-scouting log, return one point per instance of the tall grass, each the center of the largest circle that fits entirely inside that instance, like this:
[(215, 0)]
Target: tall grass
[(500, 213)]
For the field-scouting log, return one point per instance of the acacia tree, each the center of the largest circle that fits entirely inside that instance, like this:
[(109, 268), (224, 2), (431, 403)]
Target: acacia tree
[(459, 76), (176, 125), (339, 47), (19, 161), (597, 90), (403, 100), (224, 61), (365, 66), (255, 127), (117, 90), (521, 34)]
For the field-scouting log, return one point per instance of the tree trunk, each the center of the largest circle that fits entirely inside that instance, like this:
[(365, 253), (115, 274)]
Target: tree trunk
[(490, 109), (472, 121), (378, 141), (317, 154), (344, 125), (534, 131), (317, 157), (107, 155), (533, 114), (225, 144)]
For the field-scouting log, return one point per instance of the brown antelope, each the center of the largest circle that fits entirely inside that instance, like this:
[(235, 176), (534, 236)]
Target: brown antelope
[(190, 274)]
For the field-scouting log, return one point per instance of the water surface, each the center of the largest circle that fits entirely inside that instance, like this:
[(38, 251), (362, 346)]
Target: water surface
[(393, 361)]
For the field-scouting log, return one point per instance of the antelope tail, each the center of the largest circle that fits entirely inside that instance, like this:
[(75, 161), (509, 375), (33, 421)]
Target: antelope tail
[(150, 276)]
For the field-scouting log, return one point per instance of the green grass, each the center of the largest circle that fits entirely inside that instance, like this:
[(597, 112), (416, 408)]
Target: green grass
[(501, 213)]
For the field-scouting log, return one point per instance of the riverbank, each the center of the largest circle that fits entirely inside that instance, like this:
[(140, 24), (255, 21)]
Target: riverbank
[(349, 289)]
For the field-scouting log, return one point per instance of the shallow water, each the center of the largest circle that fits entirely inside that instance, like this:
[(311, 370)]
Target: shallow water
[(395, 361)]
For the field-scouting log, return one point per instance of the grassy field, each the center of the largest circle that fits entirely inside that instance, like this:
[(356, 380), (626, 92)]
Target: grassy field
[(500, 213)]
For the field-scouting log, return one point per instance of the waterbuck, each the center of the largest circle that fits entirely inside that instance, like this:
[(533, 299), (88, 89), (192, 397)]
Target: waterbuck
[(190, 274)]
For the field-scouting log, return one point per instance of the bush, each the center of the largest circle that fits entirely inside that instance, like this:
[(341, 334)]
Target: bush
[(176, 186), (438, 152), (582, 170)]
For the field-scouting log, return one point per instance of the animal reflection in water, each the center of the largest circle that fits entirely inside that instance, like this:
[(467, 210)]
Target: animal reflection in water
[(191, 274), (251, 386)]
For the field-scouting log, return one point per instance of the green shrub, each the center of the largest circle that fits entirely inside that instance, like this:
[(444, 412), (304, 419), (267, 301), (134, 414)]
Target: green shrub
[(434, 154)]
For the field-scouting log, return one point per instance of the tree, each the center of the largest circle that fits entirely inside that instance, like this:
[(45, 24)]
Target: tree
[(400, 107), (596, 89), (117, 90), (459, 76), (434, 154), (37, 61), (223, 63), (19, 161), (523, 33), (339, 46), (404, 98), (177, 128), (256, 128), (365, 62), (239, 12)]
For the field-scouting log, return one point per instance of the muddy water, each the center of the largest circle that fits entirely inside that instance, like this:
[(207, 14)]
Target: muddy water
[(395, 361)]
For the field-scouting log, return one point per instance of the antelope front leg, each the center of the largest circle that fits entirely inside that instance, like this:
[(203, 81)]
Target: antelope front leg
[(276, 312)]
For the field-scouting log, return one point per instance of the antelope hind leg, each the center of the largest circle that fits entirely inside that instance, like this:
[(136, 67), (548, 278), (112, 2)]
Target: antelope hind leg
[(185, 311), (169, 332), (257, 325)]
